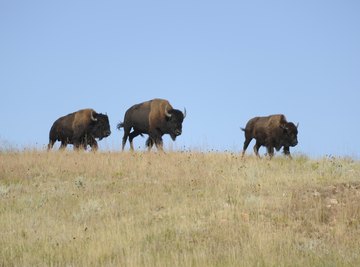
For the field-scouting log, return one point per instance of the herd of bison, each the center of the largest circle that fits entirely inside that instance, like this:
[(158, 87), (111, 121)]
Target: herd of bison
[(156, 118)]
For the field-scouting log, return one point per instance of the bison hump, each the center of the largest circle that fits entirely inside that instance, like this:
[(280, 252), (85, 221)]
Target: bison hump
[(276, 120), (157, 112)]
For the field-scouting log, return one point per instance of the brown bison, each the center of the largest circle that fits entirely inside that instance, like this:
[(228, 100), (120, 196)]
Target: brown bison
[(155, 118), (272, 132), (80, 129)]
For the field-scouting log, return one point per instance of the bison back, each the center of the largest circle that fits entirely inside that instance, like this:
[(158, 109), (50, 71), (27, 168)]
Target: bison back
[(137, 117), (61, 129)]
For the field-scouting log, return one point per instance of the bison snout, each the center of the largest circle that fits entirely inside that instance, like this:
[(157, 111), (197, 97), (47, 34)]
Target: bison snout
[(107, 133), (178, 132)]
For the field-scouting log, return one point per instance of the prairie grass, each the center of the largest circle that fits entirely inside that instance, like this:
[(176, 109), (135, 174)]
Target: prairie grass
[(177, 209)]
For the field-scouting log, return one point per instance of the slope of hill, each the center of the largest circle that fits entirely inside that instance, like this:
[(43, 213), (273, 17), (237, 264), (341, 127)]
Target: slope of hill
[(177, 209)]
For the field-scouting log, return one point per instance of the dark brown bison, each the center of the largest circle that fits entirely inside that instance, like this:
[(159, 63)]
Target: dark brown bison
[(155, 118), (272, 132), (80, 129)]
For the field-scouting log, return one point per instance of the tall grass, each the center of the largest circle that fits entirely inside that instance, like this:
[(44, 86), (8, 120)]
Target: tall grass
[(177, 209)]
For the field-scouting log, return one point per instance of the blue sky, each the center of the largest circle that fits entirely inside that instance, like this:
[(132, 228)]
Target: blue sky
[(225, 61)]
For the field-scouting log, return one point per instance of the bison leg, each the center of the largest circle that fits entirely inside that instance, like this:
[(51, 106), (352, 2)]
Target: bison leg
[(76, 146), (159, 144), (92, 142), (149, 143), (246, 144), (51, 144), (125, 137), (63, 145), (82, 144), (287, 151), (270, 151), (132, 135), (156, 137), (256, 148), (94, 146)]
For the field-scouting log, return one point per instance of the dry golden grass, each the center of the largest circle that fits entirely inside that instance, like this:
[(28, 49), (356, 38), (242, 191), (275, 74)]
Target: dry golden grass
[(177, 209)]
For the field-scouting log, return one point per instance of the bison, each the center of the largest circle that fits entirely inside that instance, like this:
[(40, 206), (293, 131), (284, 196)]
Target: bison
[(79, 128), (155, 118), (272, 132)]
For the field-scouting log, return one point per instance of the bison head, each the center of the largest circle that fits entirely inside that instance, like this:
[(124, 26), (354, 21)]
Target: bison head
[(290, 132), (174, 120), (100, 126)]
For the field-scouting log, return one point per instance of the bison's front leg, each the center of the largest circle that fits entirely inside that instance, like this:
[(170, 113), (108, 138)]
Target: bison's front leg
[(93, 144), (149, 143), (80, 144), (156, 137), (76, 145), (159, 144), (287, 151), (270, 150)]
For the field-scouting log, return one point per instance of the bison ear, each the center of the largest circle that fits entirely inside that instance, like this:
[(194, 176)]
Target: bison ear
[(93, 116)]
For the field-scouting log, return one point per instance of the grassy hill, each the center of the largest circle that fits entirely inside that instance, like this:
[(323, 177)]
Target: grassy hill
[(177, 209)]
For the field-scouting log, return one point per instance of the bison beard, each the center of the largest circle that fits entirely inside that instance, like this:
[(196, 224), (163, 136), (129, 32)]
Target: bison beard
[(155, 118), (272, 132)]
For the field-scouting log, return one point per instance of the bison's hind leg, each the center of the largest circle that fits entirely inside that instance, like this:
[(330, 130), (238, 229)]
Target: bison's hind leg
[(51, 144), (63, 145), (256, 149), (132, 135), (246, 144), (125, 137), (248, 138)]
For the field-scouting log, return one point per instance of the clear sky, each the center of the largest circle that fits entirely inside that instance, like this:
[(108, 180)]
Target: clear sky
[(225, 61)]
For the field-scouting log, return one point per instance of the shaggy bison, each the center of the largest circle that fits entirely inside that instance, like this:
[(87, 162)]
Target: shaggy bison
[(272, 132), (80, 129), (155, 118)]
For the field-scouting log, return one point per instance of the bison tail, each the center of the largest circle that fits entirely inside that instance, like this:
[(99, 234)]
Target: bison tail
[(120, 125)]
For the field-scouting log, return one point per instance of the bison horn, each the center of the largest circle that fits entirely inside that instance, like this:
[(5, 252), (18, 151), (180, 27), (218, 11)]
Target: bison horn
[(297, 125), (92, 116), (167, 114), (184, 113)]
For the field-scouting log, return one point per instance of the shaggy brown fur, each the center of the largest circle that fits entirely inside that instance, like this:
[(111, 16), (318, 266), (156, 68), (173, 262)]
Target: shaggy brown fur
[(79, 128), (272, 132), (155, 118)]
